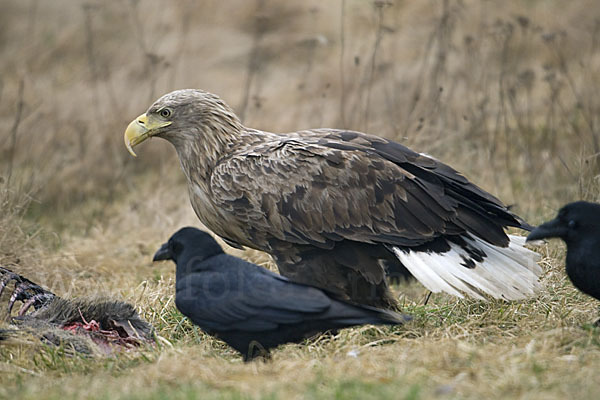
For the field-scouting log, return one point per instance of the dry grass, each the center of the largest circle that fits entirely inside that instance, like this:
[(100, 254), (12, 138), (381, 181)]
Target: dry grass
[(505, 93)]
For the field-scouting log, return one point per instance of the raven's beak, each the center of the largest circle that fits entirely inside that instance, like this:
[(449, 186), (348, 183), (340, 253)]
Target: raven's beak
[(164, 253), (547, 230)]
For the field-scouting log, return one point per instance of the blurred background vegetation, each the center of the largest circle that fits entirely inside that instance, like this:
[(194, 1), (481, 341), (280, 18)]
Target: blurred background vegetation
[(506, 92)]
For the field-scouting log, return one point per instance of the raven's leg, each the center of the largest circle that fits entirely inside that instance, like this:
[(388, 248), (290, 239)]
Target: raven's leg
[(255, 349)]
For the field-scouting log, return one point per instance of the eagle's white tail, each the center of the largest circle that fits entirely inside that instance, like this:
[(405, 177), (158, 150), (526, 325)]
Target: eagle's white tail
[(509, 273)]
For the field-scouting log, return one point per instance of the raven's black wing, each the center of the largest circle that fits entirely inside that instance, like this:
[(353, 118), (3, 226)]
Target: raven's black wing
[(237, 295)]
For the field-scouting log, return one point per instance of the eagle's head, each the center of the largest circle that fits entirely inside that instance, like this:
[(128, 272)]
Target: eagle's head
[(183, 116)]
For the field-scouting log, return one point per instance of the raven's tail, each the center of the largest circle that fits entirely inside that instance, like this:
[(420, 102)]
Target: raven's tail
[(347, 314)]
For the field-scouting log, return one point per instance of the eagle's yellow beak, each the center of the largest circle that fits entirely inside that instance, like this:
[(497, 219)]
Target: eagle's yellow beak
[(141, 129)]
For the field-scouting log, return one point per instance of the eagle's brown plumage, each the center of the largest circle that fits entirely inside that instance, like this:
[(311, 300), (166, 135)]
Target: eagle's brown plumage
[(328, 204)]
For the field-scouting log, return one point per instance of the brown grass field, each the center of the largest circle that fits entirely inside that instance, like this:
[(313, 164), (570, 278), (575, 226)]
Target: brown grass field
[(506, 92)]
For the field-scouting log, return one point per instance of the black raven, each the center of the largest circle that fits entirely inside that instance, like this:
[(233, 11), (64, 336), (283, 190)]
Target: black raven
[(578, 224), (249, 307)]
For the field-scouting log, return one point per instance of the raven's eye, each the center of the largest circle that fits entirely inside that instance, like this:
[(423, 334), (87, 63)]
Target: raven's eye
[(165, 113), (572, 224), (176, 247)]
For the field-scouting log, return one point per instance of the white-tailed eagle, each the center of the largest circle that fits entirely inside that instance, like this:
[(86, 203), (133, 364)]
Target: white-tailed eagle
[(331, 206)]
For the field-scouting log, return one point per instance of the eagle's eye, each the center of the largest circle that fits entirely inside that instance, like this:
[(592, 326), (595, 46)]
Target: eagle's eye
[(165, 113)]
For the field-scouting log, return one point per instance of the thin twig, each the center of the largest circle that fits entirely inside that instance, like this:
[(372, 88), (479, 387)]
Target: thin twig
[(92, 62), (254, 57), (181, 45), (378, 36), (15, 130), (342, 77)]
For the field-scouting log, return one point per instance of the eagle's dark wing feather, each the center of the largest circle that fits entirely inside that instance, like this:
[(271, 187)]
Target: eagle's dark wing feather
[(324, 186)]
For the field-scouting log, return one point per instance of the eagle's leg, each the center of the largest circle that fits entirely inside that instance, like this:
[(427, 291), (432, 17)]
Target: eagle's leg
[(324, 270), (395, 270), (373, 294)]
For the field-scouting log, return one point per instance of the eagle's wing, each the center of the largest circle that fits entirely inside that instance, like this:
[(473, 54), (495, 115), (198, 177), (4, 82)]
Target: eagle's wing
[(321, 187), (346, 185)]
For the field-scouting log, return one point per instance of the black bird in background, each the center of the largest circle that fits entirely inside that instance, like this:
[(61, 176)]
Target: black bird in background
[(249, 307), (578, 224)]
